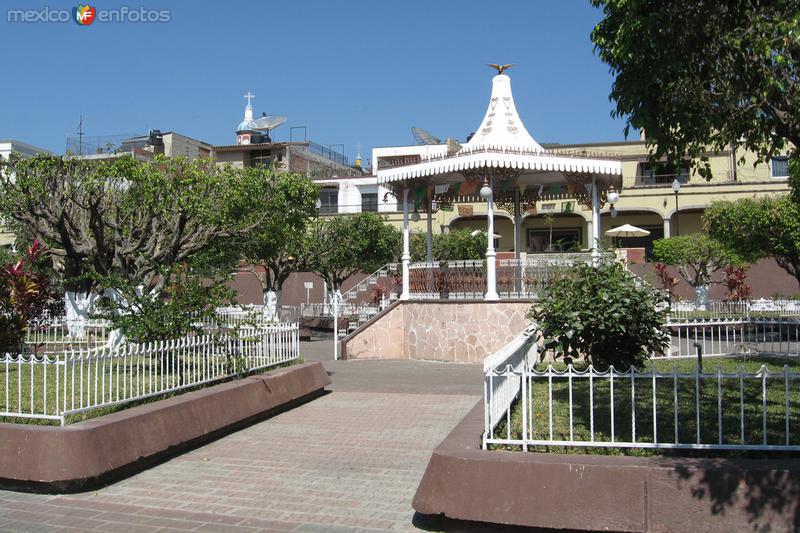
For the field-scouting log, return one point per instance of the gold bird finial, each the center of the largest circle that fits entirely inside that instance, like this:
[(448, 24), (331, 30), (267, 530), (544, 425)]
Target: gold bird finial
[(500, 68)]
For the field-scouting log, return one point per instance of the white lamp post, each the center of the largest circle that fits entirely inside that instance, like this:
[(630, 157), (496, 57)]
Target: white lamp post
[(613, 198), (491, 276), (676, 186)]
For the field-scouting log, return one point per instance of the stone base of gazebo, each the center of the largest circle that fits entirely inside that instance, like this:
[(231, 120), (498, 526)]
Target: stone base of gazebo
[(458, 331)]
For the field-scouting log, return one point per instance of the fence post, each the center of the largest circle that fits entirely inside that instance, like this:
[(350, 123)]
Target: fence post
[(336, 324), (699, 350)]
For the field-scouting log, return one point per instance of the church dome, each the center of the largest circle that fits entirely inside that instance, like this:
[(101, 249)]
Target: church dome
[(248, 124)]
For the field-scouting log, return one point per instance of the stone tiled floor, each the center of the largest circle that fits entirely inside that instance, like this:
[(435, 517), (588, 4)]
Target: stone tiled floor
[(348, 461)]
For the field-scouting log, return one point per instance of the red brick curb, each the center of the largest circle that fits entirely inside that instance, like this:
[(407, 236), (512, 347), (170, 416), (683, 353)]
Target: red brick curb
[(610, 493), (90, 453)]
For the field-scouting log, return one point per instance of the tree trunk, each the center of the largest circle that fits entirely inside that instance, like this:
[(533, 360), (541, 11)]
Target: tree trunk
[(116, 338), (701, 296)]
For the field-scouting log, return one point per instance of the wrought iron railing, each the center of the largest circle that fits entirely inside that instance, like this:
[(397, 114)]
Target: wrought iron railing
[(327, 153), (761, 308), (716, 337), (515, 278), (631, 409), (58, 384)]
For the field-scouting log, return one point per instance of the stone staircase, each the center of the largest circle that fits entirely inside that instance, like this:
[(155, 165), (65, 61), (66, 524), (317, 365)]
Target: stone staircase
[(359, 312)]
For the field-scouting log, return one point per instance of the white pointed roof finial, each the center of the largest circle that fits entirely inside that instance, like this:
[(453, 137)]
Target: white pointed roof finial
[(501, 127)]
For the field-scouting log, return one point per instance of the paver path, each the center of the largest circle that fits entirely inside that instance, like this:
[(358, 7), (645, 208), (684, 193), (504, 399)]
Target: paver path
[(350, 460)]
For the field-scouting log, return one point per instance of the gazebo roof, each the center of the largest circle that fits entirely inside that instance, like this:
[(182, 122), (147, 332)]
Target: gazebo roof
[(503, 143)]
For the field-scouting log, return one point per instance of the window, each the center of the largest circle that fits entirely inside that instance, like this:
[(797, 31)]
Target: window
[(780, 167), (329, 201), (260, 157), (369, 202), (661, 174)]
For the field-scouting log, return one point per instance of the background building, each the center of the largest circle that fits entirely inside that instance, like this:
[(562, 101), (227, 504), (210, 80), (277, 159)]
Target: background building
[(12, 146), (18, 148)]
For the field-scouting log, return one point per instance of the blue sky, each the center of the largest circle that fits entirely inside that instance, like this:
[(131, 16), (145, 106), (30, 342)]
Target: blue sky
[(350, 71)]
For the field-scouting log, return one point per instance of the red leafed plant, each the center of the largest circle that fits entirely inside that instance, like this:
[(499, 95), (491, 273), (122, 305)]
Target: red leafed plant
[(735, 282), (667, 280), (25, 295)]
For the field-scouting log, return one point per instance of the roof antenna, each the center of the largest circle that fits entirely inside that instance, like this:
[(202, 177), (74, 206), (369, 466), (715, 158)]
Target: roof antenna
[(80, 136)]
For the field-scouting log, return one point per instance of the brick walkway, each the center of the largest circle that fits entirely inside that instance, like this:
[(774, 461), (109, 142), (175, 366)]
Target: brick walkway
[(348, 461)]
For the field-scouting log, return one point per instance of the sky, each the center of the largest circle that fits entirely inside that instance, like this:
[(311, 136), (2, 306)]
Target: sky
[(352, 72)]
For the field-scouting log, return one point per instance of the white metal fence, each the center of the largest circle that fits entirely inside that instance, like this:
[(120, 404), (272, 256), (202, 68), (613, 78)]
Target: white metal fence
[(56, 385), (60, 333), (718, 410), (761, 308), (502, 387), (715, 337)]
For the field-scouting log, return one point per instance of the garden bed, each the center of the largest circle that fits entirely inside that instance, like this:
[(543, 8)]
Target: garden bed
[(93, 452), (719, 418), (73, 385), (608, 493)]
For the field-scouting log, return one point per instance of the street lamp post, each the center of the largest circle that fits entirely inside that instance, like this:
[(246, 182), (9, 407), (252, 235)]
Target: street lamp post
[(487, 194), (676, 186)]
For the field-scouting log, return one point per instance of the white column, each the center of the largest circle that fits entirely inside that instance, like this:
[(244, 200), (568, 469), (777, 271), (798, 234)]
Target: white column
[(595, 220), (429, 255), (491, 274), (666, 228), (517, 240), (517, 224), (406, 257)]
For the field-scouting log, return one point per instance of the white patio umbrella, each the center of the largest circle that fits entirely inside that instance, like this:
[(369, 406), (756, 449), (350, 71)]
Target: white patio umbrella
[(626, 230), (479, 231)]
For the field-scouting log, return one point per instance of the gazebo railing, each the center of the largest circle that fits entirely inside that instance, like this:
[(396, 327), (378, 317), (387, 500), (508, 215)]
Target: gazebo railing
[(447, 279), (524, 278)]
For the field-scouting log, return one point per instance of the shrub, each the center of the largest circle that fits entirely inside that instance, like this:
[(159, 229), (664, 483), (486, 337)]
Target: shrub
[(667, 280), (736, 283), (601, 312), (457, 244), (145, 316), (25, 296)]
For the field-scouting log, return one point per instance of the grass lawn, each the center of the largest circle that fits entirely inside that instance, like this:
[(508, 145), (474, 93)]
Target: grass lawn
[(636, 398), (32, 388)]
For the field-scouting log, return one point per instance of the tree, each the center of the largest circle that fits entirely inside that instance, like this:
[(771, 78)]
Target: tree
[(337, 247), (697, 257), (699, 76), (273, 250), (126, 218), (601, 312), (755, 229), (457, 244)]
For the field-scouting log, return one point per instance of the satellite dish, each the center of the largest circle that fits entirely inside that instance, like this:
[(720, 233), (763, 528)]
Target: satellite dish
[(423, 137), (267, 122)]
